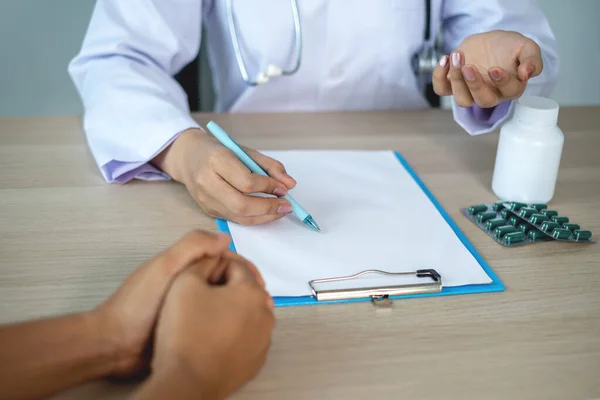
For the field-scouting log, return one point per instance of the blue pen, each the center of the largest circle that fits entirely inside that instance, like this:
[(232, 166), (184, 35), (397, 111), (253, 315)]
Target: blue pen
[(228, 142)]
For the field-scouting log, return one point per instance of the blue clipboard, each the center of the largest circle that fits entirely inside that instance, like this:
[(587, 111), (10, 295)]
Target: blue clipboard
[(495, 286)]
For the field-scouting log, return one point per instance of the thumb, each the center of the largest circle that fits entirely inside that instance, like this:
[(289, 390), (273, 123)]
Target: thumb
[(237, 273), (240, 274), (207, 270), (274, 168), (191, 248), (530, 61)]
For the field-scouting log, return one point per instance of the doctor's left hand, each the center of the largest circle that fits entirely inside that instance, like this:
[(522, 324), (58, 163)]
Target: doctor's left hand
[(488, 69)]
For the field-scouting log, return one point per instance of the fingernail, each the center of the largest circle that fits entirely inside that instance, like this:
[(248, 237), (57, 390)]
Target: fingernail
[(469, 74), (455, 59), (530, 70), (443, 61), (284, 209), (495, 75), (280, 191)]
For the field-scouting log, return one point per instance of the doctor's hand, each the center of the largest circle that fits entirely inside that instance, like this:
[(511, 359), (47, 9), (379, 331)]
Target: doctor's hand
[(221, 184), (213, 333), (488, 69)]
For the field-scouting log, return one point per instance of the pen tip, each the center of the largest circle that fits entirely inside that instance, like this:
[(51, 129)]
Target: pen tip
[(312, 224)]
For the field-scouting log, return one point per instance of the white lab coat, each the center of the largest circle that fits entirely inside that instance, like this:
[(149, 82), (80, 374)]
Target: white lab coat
[(356, 55)]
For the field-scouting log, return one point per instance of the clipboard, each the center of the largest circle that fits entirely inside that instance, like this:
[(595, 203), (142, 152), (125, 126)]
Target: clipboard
[(383, 296)]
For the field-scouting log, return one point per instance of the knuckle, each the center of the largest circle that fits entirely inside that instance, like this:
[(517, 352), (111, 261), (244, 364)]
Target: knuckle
[(462, 102), (247, 184), (203, 180), (277, 165), (211, 212), (244, 221), (178, 254), (271, 206), (194, 237), (216, 156), (270, 321), (438, 74), (271, 184), (520, 89), (214, 160), (455, 75), (257, 294), (441, 89), (512, 92), (475, 85), (486, 103), (238, 206)]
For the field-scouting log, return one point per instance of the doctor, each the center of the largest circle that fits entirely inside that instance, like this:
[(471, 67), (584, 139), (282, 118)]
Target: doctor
[(279, 55)]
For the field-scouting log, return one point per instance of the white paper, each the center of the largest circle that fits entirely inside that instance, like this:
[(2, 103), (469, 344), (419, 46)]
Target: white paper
[(373, 215)]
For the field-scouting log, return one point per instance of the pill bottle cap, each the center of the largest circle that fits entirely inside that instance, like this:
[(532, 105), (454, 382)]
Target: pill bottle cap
[(535, 110)]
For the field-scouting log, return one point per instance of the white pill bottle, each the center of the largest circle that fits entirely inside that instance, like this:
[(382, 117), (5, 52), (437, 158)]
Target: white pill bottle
[(529, 151)]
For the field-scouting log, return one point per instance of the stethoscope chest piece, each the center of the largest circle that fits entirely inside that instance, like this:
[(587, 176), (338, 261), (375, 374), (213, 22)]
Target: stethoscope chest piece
[(425, 61)]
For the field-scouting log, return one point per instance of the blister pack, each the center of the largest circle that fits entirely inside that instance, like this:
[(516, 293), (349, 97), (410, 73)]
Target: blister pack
[(550, 222), (514, 224)]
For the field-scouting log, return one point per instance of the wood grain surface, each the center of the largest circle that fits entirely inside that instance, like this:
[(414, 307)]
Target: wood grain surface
[(68, 239)]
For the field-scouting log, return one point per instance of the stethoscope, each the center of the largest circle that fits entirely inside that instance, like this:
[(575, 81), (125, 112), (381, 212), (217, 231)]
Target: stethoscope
[(423, 62)]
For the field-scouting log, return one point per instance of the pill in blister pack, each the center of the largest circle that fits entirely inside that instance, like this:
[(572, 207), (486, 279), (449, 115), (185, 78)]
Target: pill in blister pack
[(503, 226), (550, 222), (511, 223)]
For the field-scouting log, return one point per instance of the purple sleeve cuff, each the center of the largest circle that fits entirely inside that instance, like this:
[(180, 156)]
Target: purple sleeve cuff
[(117, 171), (476, 120), (489, 116), (122, 172)]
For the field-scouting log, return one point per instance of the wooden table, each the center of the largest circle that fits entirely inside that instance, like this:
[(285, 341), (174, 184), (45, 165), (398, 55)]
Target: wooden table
[(68, 239)]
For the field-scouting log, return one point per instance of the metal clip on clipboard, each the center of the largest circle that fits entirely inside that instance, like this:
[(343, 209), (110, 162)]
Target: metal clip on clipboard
[(379, 295)]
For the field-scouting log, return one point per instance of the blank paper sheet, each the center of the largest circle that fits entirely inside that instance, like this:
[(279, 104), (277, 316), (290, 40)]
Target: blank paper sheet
[(373, 215)]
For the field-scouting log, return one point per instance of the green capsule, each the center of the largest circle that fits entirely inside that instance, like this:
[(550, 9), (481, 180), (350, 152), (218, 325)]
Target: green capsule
[(549, 226), (524, 227), (535, 234), (549, 213), (539, 207), (505, 213), (571, 227), (473, 210), (516, 206), (482, 217), (582, 235), (503, 230), (492, 224), (537, 219), (514, 237), (498, 206), (561, 234), (527, 212), (514, 220), (560, 220)]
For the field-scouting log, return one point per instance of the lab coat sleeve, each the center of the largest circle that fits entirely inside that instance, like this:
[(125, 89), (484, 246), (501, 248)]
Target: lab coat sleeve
[(124, 73), (462, 18)]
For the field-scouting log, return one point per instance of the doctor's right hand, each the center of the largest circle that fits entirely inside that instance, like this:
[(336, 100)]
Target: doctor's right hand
[(221, 184)]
